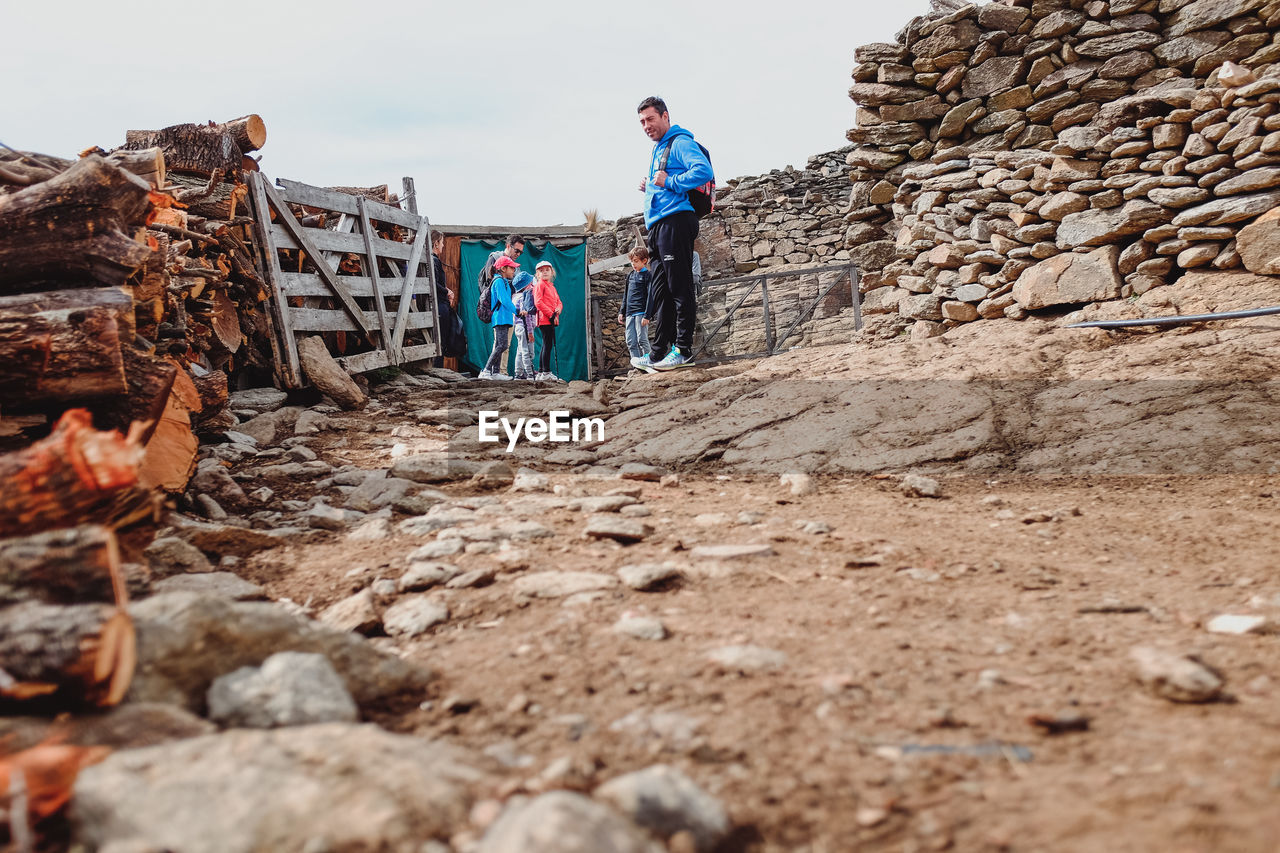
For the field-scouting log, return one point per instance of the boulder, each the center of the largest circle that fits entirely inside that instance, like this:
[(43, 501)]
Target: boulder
[(325, 787), (1070, 279)]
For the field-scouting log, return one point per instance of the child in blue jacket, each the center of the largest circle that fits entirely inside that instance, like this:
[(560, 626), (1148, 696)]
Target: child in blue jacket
[(504, 316)]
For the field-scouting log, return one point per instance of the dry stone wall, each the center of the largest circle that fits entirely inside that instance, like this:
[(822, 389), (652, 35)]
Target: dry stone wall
[(1034, 154)]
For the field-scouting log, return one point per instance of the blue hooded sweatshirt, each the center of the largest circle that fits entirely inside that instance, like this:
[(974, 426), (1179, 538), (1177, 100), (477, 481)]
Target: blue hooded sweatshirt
[(504, 309), (687, 168)]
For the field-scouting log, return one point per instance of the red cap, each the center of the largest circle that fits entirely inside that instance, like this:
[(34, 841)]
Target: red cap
[(504, 261)]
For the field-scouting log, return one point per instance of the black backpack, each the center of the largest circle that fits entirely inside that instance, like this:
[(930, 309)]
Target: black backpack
[(484, 306), (703, 198)]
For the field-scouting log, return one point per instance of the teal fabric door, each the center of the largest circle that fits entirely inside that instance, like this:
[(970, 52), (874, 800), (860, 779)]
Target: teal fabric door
[(571, 283)]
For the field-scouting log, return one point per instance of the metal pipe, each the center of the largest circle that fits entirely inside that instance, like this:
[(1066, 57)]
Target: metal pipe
[(1177, 321)]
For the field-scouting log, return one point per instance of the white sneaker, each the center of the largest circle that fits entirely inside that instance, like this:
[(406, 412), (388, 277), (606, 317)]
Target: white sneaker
[(484, 374)]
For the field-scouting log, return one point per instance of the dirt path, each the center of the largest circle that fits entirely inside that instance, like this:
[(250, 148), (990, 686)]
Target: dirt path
[(901, 645)]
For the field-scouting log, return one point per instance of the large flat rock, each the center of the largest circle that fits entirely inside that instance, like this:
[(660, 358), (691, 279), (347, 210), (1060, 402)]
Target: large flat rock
[(1021, 396)]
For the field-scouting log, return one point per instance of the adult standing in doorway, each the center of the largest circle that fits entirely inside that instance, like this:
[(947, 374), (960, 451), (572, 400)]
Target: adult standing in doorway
[(676, 166), (450, 334)]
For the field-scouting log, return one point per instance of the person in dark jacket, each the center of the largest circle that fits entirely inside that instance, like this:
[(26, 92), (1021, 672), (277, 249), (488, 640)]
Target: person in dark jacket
[(634, 315), (673, 226), (451, 336)]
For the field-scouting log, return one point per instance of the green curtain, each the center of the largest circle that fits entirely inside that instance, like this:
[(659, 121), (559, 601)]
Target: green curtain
[(570, 358)]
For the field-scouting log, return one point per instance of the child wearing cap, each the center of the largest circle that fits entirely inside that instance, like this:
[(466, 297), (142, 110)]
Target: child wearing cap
[(526, 322), (504, 316), (549, 307)]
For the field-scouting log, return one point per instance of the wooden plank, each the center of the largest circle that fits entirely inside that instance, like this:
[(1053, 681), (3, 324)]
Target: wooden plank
[(332, 241), (610, 264), (533, 232), (409, 198), (341, 202), (310, 284), (317, 197), (366, 361), (292, 369), (371, 267), (333, 320), (407, 286), (322, 267)]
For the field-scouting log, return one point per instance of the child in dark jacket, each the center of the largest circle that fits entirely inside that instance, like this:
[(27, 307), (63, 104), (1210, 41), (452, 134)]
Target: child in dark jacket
[(635, 304)]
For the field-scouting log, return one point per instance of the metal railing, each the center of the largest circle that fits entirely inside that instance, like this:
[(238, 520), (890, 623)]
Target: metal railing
[(773, 342)]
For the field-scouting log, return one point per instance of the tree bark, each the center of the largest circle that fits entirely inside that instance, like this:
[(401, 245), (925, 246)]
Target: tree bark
[(73, 229), (71, 477), (65, 655), (68, 566), (193, 148), (63, 346)]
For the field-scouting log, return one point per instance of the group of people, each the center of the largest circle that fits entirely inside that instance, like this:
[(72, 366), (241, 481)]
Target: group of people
[(520, 304), (661, 296)]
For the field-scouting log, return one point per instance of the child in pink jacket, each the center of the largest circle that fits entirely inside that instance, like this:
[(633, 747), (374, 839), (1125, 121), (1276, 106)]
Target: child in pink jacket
[(549, 307)]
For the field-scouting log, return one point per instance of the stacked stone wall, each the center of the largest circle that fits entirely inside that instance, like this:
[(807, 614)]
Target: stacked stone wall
[(1033, 154)]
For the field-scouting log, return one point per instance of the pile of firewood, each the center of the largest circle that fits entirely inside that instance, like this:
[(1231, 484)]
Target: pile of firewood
[(129, 286)]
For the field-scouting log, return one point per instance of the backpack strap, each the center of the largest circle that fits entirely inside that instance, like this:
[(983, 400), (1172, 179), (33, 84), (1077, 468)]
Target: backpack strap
[(666, 154)]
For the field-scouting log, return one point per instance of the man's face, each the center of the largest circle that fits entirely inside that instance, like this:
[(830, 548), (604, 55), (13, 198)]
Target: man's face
[(655, 125), (515, 250)]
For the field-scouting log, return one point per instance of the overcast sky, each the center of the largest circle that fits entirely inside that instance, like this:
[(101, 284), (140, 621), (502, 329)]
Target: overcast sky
[(505, 113)]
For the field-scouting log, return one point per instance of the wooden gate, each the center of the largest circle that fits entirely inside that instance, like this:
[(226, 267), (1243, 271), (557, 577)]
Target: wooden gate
[(337, 272)]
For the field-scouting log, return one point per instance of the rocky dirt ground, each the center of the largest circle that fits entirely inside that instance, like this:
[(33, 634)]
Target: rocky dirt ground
[(1000, 634)]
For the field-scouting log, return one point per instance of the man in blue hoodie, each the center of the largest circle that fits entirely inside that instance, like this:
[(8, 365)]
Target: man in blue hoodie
[(673, 226)]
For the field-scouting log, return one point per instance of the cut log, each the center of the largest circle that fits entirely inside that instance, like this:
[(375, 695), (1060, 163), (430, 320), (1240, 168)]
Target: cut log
[(69, 566), (147, 164), (74, 476), (214, 395), (217, 203), (249, 132), (196, 149), (63, 346), (226, 322), (170, 456), (74, 229), (66, 655), (25, 168), (149, 379)]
